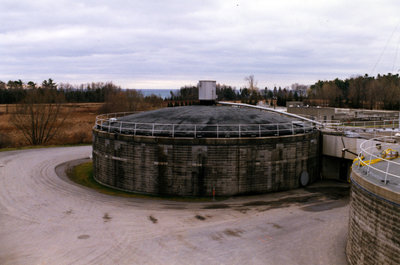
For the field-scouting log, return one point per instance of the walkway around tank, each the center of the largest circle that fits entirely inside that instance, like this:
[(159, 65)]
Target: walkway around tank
[(46, 219), (381, 171), (375, 204)]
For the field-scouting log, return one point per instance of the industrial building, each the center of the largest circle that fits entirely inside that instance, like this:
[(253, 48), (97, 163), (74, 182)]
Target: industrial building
[(206, 149)]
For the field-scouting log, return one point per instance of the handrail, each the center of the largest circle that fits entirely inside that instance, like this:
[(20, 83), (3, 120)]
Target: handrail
[(369, 127), (372, 160), (110, 123), (364, 124), (353, 125), (366, 129), (272, 110)]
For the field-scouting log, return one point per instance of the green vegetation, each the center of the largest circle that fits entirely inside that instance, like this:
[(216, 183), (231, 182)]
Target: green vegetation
[(83, 175)]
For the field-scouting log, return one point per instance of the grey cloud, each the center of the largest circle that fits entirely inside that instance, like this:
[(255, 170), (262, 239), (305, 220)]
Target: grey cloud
[(139, 41)]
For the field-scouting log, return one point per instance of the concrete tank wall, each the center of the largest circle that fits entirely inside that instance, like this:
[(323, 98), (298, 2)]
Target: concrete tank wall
[(192, 167), (374, 226)]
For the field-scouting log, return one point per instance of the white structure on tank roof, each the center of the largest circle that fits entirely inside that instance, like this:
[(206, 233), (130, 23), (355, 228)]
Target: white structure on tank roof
[(207, 91)]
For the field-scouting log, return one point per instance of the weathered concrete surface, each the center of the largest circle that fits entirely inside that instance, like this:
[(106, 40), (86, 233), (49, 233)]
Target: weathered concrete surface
[(332, 145), (194, 167), (45, 219), (374, 232), (200, 114)]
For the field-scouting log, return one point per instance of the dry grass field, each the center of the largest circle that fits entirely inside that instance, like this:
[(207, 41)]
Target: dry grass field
[(75, 130)]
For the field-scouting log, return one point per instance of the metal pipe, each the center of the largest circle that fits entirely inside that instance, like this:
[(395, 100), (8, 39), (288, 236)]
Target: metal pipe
[(387, 170), (272, 110)]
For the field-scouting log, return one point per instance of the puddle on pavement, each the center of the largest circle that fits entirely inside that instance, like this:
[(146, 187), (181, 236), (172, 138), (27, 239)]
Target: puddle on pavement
[(333, 193), (216, 206), (325, 206)]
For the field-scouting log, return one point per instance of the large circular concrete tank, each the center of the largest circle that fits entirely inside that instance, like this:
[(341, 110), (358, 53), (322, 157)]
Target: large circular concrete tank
[(190, 151)]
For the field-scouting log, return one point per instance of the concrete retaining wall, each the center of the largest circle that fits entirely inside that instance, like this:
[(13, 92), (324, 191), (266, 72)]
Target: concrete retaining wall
[(192, 167), (374, 227)]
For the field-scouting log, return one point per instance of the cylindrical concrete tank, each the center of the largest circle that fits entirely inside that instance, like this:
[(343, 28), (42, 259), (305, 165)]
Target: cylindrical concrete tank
[(190, 151), (374, 223)]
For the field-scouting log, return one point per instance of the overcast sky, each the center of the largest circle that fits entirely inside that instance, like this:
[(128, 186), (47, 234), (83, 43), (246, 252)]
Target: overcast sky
[(168, 44)]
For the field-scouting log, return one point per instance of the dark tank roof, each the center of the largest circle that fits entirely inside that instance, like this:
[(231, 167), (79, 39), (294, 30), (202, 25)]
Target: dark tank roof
[(208, 115), (206, 121)]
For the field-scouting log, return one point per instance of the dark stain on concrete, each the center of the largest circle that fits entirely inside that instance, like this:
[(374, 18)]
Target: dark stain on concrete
[(275, 225), (216, 206), (235, 232), (333, 193), (70, 211), (83, 237), (316, 199), (153, 219), (242, 210), (216, 237), (175, 207), (106, 217), (285, 202), (202, 218), (325, 206)]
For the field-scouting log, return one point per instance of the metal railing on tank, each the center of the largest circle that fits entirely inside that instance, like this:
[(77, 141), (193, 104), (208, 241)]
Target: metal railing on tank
[(113, 124), (390, 124), (368, 129), (378, 159)]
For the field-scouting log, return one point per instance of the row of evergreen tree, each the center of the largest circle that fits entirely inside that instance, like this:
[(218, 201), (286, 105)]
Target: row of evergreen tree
[(380, 92), (14, 91)]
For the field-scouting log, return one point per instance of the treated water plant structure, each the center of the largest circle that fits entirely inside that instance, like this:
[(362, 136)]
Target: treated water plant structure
[(193, 150), (374, 234), (204, 149)]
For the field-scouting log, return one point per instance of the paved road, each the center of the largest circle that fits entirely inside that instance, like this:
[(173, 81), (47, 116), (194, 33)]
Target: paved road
[(45, 219)]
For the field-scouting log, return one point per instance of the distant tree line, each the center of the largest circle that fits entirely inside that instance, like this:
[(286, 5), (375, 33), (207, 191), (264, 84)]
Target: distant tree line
[(250, 95), (14, 91), (120, 99), (115, 98), (380, 92)]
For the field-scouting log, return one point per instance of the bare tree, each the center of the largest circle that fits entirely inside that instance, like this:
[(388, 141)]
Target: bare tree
[(251, 82), (253, 90), (38, 116), (118, 100), (331, 94)]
